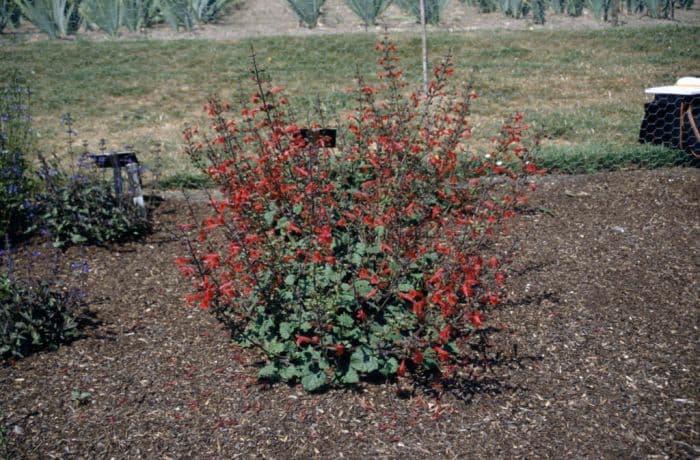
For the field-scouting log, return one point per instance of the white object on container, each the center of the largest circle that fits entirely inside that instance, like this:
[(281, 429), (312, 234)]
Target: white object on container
[(686, 86)]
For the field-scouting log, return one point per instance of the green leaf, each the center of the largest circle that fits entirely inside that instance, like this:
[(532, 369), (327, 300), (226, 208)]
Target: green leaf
[(350, 377), (356, 259), (275, 348), (269, 372), (286, 330), (289, 373), (389, 367), (345, 320), (363, 287), (290, 279), (312, 381), (405, 287), (269, 217), (363, 361), (77, 239)]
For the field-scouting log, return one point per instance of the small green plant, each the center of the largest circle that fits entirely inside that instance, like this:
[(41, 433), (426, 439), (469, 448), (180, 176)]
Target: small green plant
[(16, 141), (36, 314), (56, 18), (433, 9), (368, 10), (308, 11), (108, 15), (80, 397), (82, 208)]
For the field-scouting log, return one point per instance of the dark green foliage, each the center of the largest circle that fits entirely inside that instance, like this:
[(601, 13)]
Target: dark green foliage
[(15, 142), (36, 315), (81, 208)]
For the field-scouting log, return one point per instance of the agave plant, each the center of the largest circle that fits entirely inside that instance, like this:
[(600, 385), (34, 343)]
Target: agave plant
[(433, 9), (9, 14), (307, 11), (108, 15), (368, 10), (139, 14), (513, 8), (538, 9), (187, 13), (574, 8), (56, 18), (206, 11)]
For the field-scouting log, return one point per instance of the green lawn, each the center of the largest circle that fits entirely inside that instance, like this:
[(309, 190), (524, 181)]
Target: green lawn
[(577, 88)]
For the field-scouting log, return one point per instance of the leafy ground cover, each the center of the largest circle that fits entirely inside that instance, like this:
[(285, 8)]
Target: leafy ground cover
[(576, 87), (600, 361)]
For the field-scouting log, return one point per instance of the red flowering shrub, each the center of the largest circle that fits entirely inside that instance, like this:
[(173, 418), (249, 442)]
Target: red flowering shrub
[(368, 259)]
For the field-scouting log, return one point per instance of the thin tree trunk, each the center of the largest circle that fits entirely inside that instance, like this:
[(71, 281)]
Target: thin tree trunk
[(425, 46)]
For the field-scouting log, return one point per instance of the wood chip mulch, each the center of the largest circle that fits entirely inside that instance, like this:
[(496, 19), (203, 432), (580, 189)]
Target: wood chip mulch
[(600, 360)]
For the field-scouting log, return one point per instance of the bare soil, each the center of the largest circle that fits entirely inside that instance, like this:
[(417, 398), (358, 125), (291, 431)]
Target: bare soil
[(600, 360)]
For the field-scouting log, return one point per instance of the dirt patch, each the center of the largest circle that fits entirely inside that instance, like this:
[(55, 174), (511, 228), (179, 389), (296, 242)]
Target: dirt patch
[(257, 18), (600, 360)]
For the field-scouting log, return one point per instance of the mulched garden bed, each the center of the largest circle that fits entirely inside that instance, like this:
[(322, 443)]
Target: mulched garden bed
[(600, 359)]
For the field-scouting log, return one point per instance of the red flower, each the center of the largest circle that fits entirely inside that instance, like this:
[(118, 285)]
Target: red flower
[(211, 261), (445, 334), (325, 237), (402, 368), (476, 319), (443, 355), (361, 315), (276, 89), (417, 357), (493, 262), (500, 279), (363, 274), (339, 349), (304, 340)]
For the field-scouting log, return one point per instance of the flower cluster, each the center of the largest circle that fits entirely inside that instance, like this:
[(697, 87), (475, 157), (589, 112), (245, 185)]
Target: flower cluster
[(372, 258)]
